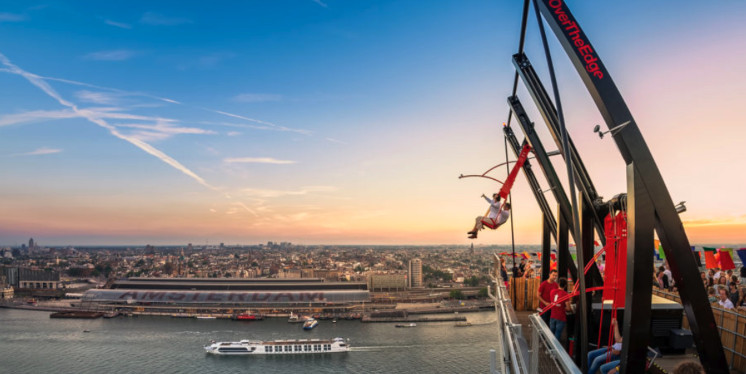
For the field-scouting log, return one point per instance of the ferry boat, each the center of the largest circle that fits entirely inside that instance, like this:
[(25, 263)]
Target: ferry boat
[(278, 347), (310, 324)]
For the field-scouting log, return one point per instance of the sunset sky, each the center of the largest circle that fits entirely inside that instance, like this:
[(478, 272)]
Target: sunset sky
[(336, 121)]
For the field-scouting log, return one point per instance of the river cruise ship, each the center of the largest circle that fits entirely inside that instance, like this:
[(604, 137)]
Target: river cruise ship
[(278, 347)]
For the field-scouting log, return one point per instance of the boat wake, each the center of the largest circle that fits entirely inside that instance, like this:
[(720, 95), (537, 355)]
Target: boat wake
[(381, 348)]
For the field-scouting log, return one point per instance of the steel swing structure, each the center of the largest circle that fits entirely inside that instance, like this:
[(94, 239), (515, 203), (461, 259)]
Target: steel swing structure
[(647, 203)]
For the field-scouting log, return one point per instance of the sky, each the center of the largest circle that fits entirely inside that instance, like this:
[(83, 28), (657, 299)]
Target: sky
[(340, 122)]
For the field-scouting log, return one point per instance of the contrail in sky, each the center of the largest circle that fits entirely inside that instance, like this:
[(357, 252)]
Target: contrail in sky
[(89, 115)]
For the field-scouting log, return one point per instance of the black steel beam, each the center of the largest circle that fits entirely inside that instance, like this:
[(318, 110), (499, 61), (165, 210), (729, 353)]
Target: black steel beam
[(546, 246), (634, 150), (564, 211), (587, 218), (640, 223), (563, 248), (547, 110)]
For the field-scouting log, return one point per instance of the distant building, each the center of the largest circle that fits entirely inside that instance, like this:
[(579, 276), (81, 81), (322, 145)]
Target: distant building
[(38, 279), (415, 273), (289, 273), (327, 275), (388, 282), (307, 273)]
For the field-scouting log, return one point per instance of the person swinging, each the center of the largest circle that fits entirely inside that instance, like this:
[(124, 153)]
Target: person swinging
[(497, 215)]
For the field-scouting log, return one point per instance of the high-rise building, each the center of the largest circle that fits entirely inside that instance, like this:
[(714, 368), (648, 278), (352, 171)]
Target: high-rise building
[(415, 273), (31, 243)]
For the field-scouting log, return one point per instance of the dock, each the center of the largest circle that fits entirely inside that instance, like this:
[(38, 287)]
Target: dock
[(414, 319)]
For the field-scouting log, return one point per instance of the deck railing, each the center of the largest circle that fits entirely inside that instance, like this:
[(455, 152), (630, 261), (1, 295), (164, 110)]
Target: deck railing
[(545, 353)]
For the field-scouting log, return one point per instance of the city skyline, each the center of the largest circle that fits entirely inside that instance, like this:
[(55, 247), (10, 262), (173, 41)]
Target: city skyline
[(332, 122)]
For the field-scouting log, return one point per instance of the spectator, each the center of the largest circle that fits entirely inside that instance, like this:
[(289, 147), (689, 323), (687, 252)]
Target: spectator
[(558, 318), (663, 278), (545, 293), (522, 267), (598, 357), (742, 299), (724, 300), (668, 274), (722, 282), (711, 296), (503, 271), (529, 270), (743, 274), (733, 294)]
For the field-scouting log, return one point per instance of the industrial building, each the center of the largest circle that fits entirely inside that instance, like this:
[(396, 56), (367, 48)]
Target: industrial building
[(227, 295)]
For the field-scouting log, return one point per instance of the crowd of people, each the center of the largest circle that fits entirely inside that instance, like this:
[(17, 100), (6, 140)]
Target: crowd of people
[(725, 288)]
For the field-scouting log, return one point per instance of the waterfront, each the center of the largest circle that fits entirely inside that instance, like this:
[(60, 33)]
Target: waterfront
[(34, 343)]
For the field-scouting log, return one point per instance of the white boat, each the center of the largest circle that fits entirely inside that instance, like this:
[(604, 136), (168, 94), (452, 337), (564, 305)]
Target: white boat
[(206, 317), (278, 347), (310, 324), (297, 318)]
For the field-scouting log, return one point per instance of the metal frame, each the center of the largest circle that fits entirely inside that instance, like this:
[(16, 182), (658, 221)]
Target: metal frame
[(647, 182), (565, 208)]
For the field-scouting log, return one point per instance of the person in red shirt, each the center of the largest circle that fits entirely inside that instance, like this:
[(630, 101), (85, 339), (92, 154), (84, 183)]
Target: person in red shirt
[(558, 318), (545, 290)]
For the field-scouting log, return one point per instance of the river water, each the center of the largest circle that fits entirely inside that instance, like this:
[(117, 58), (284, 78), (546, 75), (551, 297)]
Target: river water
[(31, 342)]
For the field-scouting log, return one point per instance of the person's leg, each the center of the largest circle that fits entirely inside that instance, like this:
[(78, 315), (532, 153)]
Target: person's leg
[(596, 355), (559, 329), (552, 325), (606, 367)]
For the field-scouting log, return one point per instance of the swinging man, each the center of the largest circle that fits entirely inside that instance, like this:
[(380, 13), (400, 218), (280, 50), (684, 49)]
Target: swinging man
[(497, 216)]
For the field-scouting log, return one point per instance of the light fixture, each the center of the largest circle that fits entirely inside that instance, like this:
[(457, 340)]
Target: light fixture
[(613, 131)]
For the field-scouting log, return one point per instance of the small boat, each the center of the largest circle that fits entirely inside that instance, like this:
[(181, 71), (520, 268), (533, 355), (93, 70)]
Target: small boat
[(310, 324), (278, 347), (406, 324), (463, 324), (297, 318), (86, 330), (206, 317), (334, 320), (248, 317)]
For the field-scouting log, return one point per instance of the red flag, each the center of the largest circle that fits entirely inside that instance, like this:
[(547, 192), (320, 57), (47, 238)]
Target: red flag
[(726, 262), (710, 261)]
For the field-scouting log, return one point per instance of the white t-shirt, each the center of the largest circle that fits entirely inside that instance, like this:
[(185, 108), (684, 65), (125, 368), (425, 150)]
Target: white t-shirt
[(716, 276), (727, 304)]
